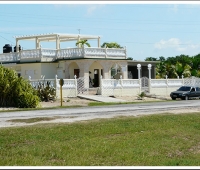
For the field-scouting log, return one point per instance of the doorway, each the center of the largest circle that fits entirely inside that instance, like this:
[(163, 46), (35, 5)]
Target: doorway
[(76, 72), (96, 78)]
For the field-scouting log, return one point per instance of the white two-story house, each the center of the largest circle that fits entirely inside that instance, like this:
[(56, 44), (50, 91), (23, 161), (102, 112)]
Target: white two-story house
[(92, 62)]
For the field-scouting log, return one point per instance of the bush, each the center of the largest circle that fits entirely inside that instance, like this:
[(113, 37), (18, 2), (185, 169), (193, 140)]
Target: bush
[(45, 91), (141, 95), (16, 91)]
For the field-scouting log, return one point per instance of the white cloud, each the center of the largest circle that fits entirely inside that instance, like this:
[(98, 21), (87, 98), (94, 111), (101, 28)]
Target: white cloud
[(93, 8), (177, 45), (90, 8), (172, 42), (174, 8)]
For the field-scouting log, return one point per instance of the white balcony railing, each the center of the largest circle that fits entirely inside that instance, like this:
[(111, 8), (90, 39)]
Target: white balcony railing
[(51, 54)]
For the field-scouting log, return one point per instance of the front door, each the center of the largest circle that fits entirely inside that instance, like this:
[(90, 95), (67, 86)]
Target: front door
[(96, 78), (76, 72)]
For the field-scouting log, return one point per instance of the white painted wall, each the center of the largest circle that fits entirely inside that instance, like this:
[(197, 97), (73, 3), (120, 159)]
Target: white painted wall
[(49, 70)]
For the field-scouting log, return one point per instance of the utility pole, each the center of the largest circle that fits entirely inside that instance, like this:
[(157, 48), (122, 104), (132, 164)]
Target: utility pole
[(79, 30)]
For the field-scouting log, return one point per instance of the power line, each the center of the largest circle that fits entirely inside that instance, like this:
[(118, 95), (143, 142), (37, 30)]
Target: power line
[(6, 39)]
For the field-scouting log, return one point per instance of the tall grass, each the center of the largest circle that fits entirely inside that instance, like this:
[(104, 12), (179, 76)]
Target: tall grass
[(156, 140)]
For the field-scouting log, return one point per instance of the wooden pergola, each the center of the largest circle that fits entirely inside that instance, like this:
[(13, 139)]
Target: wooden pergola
[(54, 37)]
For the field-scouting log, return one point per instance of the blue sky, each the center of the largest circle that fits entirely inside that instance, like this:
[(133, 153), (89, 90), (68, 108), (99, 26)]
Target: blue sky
[(146, 29)]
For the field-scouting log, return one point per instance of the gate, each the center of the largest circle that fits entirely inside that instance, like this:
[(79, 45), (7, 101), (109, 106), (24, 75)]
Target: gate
[(192, 81), (144, 84), (82, 86)]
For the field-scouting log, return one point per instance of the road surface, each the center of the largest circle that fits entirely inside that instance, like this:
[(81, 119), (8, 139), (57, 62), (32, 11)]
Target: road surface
[(88, 113)]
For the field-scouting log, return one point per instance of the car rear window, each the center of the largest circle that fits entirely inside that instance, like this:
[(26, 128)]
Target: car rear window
[(184, 88)]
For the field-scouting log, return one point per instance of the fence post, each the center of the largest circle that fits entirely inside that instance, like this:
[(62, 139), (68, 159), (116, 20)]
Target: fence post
[(149, 68), (166, 85), (149, 82), (101, 90), (56, 84), (75, 81), (183, 80), (121, 84), (139, 68)]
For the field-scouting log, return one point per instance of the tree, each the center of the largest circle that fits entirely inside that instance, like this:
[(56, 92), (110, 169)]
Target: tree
[(161, 58), (110, 45), (151, 59), (82, 43), (129, 58)]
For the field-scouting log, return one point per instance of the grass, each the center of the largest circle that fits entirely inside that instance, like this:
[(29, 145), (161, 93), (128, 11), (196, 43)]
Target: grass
[(153, 140)]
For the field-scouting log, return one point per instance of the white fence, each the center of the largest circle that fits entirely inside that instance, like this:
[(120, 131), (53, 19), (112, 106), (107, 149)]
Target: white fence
[(119, 87), (133, 87), (69, 88)]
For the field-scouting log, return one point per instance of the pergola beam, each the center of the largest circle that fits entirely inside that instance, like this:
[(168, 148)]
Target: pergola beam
[(55, 38)]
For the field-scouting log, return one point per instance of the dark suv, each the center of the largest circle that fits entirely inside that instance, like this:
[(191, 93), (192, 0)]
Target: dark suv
[(186, 92)]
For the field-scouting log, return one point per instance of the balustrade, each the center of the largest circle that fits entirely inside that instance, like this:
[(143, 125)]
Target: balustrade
[(52, 54)]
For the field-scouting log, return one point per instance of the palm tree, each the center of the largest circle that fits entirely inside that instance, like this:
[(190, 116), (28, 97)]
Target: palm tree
[(82, 43)]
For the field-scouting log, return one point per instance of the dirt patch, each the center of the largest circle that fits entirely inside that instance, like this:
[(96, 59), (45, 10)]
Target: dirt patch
[(76, 101)]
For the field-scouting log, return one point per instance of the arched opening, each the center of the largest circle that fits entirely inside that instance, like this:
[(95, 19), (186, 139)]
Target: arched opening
[(95, 72), (116, 71), (74, 70)]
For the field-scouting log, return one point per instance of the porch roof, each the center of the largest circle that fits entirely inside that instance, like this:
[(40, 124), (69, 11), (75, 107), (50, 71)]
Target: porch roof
[(143, 63)]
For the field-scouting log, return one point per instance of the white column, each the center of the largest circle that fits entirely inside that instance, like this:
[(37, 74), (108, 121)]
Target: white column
[(99, 42), (78, 41), (149, 68), (36, 43), (17, 45), (57, 42), (139, 68)]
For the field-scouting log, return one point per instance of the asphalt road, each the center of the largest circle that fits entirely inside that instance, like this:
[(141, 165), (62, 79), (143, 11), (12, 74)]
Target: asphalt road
[(88, 113)]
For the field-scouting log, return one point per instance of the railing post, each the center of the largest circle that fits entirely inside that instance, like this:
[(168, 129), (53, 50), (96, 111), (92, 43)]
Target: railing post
[(40, 54), (105, 52), (125, 51), (83, 51)]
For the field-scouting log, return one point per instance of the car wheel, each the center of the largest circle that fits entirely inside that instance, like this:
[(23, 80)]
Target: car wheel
[(186, 98), (173, 98)]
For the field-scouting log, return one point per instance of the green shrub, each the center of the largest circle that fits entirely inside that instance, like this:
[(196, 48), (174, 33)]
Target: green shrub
[(27, 100), (142, 95), (16, 91)]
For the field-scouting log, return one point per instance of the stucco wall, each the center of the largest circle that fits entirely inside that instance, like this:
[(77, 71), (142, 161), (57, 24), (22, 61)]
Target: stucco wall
[(163, 91), (49, 70)]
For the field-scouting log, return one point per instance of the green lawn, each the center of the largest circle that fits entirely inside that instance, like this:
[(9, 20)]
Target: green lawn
[(156, 140)]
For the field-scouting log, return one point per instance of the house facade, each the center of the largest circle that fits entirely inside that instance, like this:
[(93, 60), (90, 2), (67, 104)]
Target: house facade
[(89, 62)]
